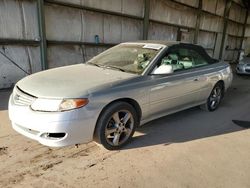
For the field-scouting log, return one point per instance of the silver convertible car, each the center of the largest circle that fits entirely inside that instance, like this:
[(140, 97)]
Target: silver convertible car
[(106, 98)]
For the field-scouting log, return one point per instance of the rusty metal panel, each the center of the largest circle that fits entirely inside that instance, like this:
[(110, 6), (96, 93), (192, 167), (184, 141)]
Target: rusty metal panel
[(235, 29), (233, 42), (193, 3), (247, 45), (239, 2), (209, 5), (162, 32), (92, 25), (131, 30), (18, 19), (235, 12), (247, 32), (35, 60), (27, 58), (207, 39), (243, 15), (211, 23), (111, 5), (248, 19), (130, 7), (62, 23), (69, 24), (220, 7), (170, 12), (112, 29), (91, 51), (187, 36), (117, 29), (75, 2), (238, 43), (11, 19), (231, 55), (62, 55), (133, 7), (30, 21)]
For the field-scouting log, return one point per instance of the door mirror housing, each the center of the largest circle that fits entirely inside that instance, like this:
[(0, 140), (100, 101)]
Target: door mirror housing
[(163, 69)]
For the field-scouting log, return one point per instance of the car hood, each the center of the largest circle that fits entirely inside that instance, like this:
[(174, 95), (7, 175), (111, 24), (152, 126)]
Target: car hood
[(73, 81), (245, 60)]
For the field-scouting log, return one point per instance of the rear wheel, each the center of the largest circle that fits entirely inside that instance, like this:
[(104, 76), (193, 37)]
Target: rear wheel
[(116, 125), (214, 98)]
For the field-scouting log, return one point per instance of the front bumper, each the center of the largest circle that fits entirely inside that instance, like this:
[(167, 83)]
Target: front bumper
[(243, 69), (53, 129)]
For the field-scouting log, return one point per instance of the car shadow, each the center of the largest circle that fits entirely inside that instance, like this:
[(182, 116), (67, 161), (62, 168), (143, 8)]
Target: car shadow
[(184, 126), (194, 123), (4, 98)]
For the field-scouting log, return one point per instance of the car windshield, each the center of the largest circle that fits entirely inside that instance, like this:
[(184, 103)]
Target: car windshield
[(133, 58)]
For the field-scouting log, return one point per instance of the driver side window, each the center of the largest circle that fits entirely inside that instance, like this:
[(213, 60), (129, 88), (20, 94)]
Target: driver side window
[(170, 62), (178, 59)]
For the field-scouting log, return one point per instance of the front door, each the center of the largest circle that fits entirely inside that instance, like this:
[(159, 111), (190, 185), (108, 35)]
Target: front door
[(182, 88)]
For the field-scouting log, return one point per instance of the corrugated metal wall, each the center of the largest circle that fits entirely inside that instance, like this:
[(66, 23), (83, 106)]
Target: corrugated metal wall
[(71, 27), (18, 20)]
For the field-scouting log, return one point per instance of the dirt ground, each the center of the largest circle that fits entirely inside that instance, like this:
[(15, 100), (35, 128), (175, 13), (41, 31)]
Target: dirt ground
[(191, 148)]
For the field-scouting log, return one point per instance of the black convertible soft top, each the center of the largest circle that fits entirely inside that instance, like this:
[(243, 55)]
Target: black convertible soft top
[(197, 48)]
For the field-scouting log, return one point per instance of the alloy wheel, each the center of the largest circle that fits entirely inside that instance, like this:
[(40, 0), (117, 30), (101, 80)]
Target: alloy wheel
[(119, 127), (215, 97)]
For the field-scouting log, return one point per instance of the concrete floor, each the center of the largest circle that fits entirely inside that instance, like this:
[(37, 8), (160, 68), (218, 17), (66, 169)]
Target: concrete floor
[(191, 148)]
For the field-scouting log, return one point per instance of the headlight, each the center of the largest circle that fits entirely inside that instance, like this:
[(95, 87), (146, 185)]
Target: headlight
[(57, 105)]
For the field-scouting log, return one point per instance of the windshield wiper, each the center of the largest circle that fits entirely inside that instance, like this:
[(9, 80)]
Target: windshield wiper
[(113, 67), (108, 66), (90, 63)]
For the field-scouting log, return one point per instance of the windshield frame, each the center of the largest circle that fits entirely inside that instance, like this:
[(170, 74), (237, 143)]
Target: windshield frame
[(158, 52)]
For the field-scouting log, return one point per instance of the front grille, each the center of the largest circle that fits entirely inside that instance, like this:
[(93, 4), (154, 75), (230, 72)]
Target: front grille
[(22, 98), (247, 70)]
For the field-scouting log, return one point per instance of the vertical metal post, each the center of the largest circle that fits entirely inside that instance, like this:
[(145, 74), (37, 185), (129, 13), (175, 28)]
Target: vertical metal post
[(197, 26), (226, 14), (244, 31), (42, 33), (179, 34), (146, 19)]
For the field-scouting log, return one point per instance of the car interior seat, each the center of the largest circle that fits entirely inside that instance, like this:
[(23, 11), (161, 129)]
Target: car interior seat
[(172, 59), (186, 61), (142, 61)]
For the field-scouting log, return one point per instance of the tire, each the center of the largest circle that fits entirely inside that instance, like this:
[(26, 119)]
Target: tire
[(214, 98), (111, 130)]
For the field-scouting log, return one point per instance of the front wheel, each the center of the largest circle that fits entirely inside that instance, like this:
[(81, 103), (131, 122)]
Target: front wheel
[(214, 98), (116, 125)]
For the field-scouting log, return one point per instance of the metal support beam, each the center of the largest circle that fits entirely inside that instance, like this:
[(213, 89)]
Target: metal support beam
[(54, 42), (146, 19), (42, 33), (197, 26), (82, 7), (178, 38), (226, 15), (19, 42), (244, 30)]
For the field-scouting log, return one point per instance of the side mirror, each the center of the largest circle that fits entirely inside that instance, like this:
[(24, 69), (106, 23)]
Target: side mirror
[(163, 69)]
